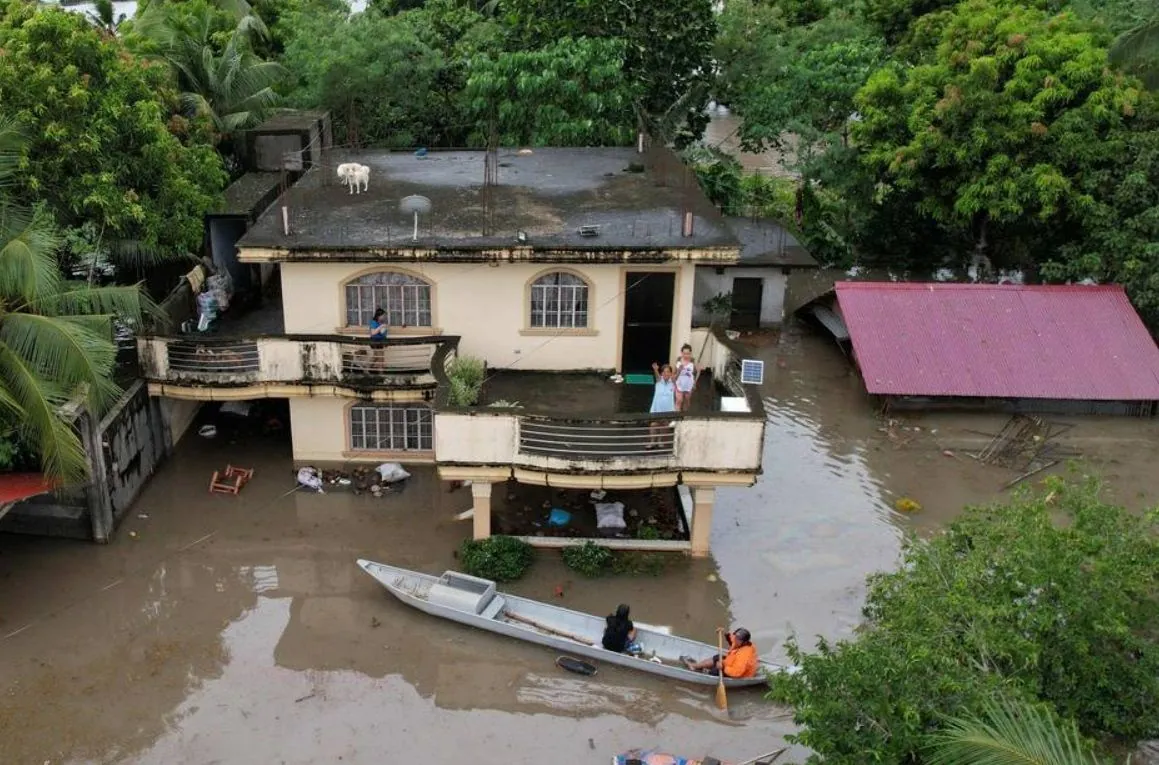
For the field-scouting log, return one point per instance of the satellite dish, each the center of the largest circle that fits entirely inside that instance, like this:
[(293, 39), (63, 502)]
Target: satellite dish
[(416, 205)]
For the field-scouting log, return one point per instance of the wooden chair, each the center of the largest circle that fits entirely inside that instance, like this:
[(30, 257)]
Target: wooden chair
[(229, 481)]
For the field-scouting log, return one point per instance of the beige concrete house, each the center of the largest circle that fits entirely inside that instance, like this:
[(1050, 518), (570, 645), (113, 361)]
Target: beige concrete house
[(558, 267)]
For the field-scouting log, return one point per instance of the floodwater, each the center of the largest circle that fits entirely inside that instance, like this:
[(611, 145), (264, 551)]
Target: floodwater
[(222, 629)]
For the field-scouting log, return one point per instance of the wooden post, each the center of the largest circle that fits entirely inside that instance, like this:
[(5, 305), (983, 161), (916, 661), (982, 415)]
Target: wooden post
[(703, 499), (100, 498), (481, 494)]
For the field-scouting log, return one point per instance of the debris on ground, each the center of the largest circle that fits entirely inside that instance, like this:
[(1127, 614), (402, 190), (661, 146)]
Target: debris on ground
[(907, 505)]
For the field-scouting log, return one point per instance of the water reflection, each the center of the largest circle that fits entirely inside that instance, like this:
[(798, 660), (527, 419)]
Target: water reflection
[(796, 548)]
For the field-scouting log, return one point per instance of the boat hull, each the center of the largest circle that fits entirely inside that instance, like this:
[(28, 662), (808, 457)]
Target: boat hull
[(559, 628)]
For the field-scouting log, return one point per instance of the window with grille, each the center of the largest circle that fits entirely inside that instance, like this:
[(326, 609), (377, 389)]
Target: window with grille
[(391, 427), (406, 300), (559, 300)]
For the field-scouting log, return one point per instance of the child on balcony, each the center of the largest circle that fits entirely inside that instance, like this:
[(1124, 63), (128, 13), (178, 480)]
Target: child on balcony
[(663, 402), (687, 373)]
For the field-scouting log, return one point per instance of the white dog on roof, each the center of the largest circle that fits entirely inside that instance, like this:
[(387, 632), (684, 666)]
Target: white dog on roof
[(354, 176)]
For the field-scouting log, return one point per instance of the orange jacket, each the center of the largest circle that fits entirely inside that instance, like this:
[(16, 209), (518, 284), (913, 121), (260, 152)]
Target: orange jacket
[(740, 661)]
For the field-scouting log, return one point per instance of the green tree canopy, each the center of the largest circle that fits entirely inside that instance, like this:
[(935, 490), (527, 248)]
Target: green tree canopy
[(571, 93), (668, 53), (994, 133), (1050, 598), (106, 147), (56, 337), (373, 72)]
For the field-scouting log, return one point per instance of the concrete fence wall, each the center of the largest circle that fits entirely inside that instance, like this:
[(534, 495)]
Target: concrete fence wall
[(124, 449)]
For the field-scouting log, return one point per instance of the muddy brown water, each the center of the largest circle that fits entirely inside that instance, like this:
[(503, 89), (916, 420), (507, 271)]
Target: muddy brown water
[(238, 630)]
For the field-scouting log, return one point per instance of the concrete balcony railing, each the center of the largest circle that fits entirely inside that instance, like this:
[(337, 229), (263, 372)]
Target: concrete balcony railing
[(295, 360), (725, 442)]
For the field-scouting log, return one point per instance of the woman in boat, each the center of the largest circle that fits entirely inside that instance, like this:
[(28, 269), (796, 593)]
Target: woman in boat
[(740, 660), (620, 634)]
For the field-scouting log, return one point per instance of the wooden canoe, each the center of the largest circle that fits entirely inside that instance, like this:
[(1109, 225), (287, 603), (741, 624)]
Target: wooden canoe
[(475, 602)]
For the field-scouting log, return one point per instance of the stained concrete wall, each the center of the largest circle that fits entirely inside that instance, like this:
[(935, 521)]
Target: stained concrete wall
[(710, 284), (124, 450), (489, 307)]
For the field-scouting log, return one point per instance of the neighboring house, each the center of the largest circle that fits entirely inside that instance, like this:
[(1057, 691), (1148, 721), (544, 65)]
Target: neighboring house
[(578, 261), (755, 284), (1021, 348)]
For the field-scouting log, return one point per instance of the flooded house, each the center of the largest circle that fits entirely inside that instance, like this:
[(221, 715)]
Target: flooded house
[(750, 294), (1023, 349), (569, 272)]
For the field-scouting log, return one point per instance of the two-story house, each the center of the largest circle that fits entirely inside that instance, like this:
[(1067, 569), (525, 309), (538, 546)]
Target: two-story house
[(568, 271)]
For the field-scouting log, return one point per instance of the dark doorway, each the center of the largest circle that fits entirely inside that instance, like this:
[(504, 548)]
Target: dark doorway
[(648, 300), (746, 303)]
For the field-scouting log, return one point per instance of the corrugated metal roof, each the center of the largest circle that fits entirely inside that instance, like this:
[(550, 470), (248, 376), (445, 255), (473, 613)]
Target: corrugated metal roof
[(1001, 341)]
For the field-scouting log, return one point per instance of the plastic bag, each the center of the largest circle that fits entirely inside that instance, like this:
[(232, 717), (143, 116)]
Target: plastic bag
[(309, 478), (392, 472), (610, 515)]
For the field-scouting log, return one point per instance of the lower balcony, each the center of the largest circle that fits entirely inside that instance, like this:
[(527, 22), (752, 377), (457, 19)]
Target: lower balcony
[(220, 368), (585, 430)]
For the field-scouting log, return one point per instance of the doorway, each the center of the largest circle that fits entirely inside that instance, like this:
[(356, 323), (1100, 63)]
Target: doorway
[(746, 303), (649, 297)]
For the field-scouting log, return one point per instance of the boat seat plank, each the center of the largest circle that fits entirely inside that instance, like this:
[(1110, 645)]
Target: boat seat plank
[(494, 608)]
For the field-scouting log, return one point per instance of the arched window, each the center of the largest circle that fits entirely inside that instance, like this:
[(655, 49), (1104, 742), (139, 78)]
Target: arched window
[(405, 298), (391, 428), (559, 299)]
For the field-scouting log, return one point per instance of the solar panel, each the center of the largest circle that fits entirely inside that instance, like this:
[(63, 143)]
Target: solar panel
[(752, 372)]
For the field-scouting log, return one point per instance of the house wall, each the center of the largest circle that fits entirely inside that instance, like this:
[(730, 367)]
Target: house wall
[(489, 306), (318, 426), (709, 284)]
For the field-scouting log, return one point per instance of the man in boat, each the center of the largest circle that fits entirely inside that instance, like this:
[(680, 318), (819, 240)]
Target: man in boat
[(620, 634), (740, 660)]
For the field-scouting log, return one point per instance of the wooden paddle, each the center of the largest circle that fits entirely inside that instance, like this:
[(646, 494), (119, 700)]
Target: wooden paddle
[(545, 628), (721, 697)]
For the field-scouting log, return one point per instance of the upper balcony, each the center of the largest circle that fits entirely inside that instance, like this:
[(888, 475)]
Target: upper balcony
[(579, 429), (248, 356)]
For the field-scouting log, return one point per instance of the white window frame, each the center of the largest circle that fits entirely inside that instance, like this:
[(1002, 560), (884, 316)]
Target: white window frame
[(559, 300), (405, 298), (392, 428)]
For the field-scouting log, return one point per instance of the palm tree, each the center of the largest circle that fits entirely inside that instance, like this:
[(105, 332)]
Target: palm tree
[(1137, 52), (56, 336), (235, 87), (104, 18), (1011, 733)]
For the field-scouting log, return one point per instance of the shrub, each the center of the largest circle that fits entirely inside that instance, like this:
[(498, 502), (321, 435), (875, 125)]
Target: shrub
[(1049, 598), (466, 380), (589, 559), (593, 560), (500, 558)]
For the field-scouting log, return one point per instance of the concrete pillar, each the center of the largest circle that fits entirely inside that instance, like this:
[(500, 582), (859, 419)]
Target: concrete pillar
[(703, 498), (481, 494)]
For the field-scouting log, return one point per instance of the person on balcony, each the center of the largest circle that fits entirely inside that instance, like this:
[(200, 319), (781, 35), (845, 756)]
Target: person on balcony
[(378, 325), (687, 373), (377, 336), (663, 402), (620, 634), (740, 660)]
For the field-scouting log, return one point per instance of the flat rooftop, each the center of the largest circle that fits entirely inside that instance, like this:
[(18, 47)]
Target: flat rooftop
[(546, 193)]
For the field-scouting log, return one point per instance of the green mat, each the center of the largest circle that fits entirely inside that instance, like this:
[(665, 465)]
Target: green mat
[(638, 379)]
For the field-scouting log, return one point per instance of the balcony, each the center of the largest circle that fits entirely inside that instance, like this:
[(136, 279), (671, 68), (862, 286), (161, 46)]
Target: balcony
[(290, 364), (585, 424)]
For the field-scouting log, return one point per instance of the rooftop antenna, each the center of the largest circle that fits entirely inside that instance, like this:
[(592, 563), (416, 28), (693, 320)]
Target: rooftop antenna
[(416, 205)]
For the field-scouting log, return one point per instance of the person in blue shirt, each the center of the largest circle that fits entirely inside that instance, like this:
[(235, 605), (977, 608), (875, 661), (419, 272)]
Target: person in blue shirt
[(378, 325), (377, 336), (663, 402)]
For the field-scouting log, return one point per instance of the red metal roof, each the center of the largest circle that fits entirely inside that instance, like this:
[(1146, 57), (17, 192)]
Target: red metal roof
[(1002, 341), (17, 486)]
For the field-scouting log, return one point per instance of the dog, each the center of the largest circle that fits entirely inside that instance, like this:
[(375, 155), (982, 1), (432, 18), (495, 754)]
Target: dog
[(354, 176)]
